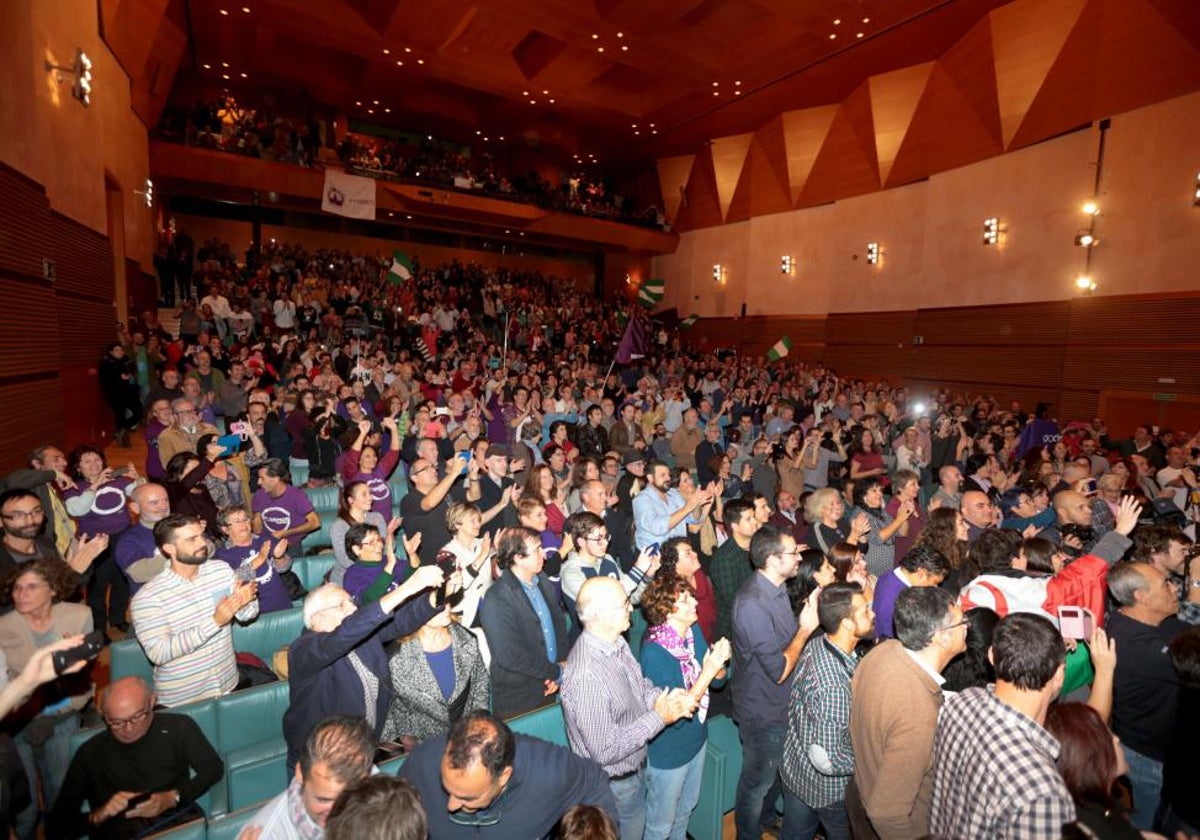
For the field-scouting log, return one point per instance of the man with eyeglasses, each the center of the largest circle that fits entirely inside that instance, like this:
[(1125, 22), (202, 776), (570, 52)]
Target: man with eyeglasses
[(895, 696), (590, 559), (525, 627), (23, 519), (767, 640), (144, 773), (481, 781), (424, 506), (611, 710), (185, 430)]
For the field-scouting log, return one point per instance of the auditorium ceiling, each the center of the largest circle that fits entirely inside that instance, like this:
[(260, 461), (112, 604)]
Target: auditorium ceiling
[(743, 107)]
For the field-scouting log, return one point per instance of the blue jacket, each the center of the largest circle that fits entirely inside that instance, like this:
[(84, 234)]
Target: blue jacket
[(321, 680)]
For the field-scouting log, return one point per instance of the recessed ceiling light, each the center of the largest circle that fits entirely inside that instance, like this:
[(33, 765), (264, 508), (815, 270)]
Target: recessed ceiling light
[(224, 11), (637, 132), (716, 84), (737, 93), (386, 51), (420, 61), (595, 37), (501, 137), (654, 132), (738, 84), (387, 110), (485, 139), (224, 63), (370, 110), (652, 125), (359, 103), (866, 20), (633, 126), (551, 101), (858, 34), (832, 36), (532, 101), (409, 218), (624, 48), (243, 75), (716, 93), (620, 34), (390, 213), (599, 49), (545, 93), (837, 21), (374, 101), (207, 66), (399, 63), (246, 9), (225, 76), (408, 49)]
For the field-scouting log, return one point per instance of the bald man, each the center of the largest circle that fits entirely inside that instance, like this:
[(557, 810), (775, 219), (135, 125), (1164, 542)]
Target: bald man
[(1073, 526), (136, 554), (146, 769), (611, 710), (978, 511)]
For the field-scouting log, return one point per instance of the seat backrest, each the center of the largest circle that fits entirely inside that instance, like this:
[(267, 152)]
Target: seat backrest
[(196, 829), (312, 570), (319, 540), (251, 716), (546, 723), (324, 499), (229, 826), (127, 659), (268, 633)]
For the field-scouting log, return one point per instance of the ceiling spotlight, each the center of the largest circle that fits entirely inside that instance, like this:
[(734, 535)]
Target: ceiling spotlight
[(370, 110), (858, 34), (387, 110), (551, 101), (408, 49), (224, 11), (374, 101), (595, 37), (399, 63), (737, 84), (837, 21), (716, 84), (477, 133), (243, 75), (866, 20), (1091, 208), (207, 66), (501, 137), (246, 9), (624, 48), (716, 93), (991, 231), (656, 132), (1085, 239), (359, 104), (620, 34), (872, 253), (545, 93), (832, 36), (599, 49), (225, 76), (386, 51), (420, 61)]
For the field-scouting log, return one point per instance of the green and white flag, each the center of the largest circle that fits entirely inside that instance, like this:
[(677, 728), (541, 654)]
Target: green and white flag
[(782, 347), (651, 292), (401, 268), (688, 321)]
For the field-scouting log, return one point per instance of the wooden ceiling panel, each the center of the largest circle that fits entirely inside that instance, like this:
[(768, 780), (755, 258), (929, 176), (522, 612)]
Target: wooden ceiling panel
[(764, 184), (728, 156), (672, 178), (946, 132), (1139, 51), (971, 65), (894, 98), (804, 134), (847, 163), (535, 51), (1024, 54), (702, 206)]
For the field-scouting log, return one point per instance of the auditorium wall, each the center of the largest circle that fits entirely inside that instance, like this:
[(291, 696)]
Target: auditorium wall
[(67, 175)]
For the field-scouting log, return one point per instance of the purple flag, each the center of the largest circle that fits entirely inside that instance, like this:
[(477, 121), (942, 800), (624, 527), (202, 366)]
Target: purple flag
[(633, 343)]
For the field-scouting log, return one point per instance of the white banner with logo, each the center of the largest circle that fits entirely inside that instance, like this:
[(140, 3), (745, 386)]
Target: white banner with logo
[(348, 195)]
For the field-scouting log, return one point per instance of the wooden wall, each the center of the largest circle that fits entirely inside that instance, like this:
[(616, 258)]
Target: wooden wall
[(1068, 353), (55, 331)]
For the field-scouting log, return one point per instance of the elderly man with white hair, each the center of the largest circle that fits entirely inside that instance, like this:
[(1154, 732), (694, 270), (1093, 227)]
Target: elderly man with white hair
[(334, 667)]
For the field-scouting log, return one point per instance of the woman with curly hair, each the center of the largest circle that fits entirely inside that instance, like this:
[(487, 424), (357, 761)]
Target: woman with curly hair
[(946, 532), (675, 655)]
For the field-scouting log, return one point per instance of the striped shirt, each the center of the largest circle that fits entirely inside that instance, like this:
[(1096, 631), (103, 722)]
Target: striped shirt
[(608, 705), (173, 620)]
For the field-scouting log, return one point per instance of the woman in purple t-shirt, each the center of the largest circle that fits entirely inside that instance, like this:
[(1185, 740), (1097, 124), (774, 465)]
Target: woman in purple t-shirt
[(258, 555), (97, 504), (364, 463)]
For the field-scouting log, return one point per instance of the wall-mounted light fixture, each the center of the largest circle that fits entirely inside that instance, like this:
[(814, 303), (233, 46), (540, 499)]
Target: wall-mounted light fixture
[(991, 231), (1196, 194), (81, 71), (147, 194), (873, 253), (1091, 208), (787, 265), (1085, 284), (719, 272), (1086, 239)]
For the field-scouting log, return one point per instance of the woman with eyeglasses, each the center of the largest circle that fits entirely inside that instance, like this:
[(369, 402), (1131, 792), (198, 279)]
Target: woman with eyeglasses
[(253, 557), (38, 593), (675, 655), (355, 506), (375, 570)]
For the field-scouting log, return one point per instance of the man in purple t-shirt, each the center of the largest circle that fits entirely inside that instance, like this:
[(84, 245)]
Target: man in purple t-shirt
[(281, 509), (922, 566)]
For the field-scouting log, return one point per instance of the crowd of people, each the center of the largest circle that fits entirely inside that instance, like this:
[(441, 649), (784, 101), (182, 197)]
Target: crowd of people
[(265, 131), (926, 614)]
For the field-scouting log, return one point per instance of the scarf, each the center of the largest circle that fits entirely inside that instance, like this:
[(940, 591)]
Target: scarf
[(684, 650)]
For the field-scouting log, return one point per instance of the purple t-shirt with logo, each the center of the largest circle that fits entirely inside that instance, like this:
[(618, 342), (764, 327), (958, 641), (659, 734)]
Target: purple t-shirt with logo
[(283, 513), (108, 514), (272, 594)]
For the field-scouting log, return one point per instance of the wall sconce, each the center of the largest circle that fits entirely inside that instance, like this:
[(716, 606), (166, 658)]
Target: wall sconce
[(719, 272), (147, 194), (1085, 284), (873, 253), (1086, 239), (991, 231), (1091, 208), (1196, 195), (787, 265), (81, 70)]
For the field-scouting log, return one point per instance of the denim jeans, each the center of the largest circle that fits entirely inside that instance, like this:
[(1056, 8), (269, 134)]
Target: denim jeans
[(762, 749), (1146, 778), (671, 796), (630, 794), (48, 762), (801, 820)]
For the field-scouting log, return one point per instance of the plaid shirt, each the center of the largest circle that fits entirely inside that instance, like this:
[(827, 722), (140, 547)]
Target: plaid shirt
[(994, 773), (608, 705), (728, 570), (819, 715)]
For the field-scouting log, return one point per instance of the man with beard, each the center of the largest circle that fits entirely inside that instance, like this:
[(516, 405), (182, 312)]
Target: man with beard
[(188, 640), (22, 540)]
